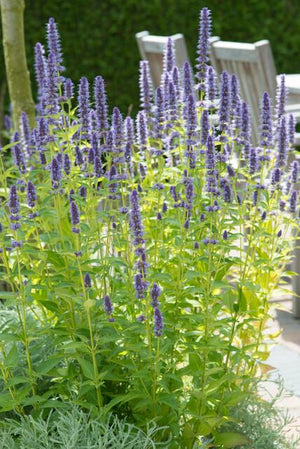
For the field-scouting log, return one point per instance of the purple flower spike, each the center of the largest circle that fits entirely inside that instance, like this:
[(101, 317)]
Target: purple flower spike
[(53, 41), (135, 219), (276, 176), (87, 280), (31, 194), (98, 167), (196, 245), (235, 90), (117, 128), (245, 124), (282, 143), (145, 87), (66, 164), (293, 201), (187, 82), (294, 172), (203, 47), (75, 217), (55, 173), (78, 156), (159, 113), (281, 98), (253, 162), (225, 235), (19, 158), (142, 132), (82, 192), (40, 66), (140, 286), (108, 308), (227, 193), (101, 105), (84, 106), (51, 101), (266, 137), (224, 109), (176, 81), (204, 126), (68, 89), (13, 201), (211, 180), (155, 292), (169, 56), (211, 84), (291, 127), (158, 322)]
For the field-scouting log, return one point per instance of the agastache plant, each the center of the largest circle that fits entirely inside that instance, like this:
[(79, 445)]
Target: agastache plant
[(139, 255)]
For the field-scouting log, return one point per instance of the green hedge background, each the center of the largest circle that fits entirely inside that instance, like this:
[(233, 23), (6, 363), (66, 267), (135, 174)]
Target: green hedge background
[(98, 36)]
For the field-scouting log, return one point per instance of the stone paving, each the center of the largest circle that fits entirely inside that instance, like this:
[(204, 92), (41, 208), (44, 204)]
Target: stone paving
[(285, 358)]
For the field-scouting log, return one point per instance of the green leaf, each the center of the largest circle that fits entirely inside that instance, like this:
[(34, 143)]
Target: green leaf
[(87, 368), (231, 439), (12, 357)]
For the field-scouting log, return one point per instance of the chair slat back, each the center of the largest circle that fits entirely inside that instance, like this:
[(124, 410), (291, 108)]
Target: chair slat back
[(152, 48), (254, 66)]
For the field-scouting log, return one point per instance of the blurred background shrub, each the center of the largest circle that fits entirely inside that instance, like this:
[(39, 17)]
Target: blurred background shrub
[(98, 36)]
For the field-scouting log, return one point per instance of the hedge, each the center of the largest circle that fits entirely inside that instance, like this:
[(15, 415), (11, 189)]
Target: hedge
[(98, 36)]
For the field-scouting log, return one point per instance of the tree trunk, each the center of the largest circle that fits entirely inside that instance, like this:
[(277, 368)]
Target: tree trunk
[(18, 77)]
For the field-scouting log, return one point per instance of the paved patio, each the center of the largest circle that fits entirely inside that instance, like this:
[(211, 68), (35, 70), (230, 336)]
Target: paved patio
[(285, 358)]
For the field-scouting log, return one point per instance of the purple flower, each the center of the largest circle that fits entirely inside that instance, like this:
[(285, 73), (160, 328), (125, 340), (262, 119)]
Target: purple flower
[(164, 207), (245, 124), (75, 216), (25, 133), (53, 40), (263, 215), (66, 164), (155, 292), (227, 193), (140, 286), (282, 205), (189, 192), (19, 158), (158, 322), (187, 82), (51, 84), (142, 132), (13, 201), (279, 233), (55, 173), (211, 181), (281, 98), (108, 307), (84, 106), (234, 86), (141, 318), (68, 89), (282, 143), (135, 219), (253, 162), (31, 194), (211, 84), (196, 245), (87, 280), (82, 192), (169, 56), (176, 81), (145, 87), (98, 167), (40, 69), (204, 126), (254, 197), (225, 235), (276, 176), (266, 135), (224, 109), (294, 172), (100, 104), (203, 47), (293, 201), (78, 156), (117, 129), (291, 127), (159, 113)]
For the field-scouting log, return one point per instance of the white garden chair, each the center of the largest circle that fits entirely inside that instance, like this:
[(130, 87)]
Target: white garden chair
[(152, 48)]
